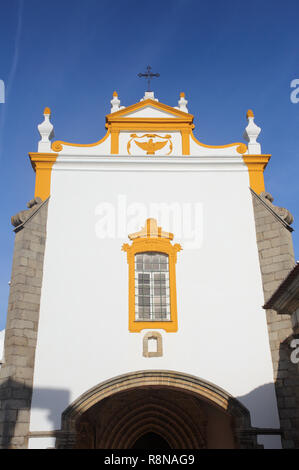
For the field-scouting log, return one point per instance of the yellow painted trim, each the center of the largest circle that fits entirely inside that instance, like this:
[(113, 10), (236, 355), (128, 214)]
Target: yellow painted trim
[(118, 121), (185, 133), (256, 165), (151, 230), (150, 119), (155, 104), (114, 141), (115, 122), (57, 146), (150, 124), (42, 164), (146, 244), (242, 148)]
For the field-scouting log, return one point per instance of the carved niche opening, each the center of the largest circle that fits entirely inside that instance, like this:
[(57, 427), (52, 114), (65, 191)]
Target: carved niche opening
[(152, 344)]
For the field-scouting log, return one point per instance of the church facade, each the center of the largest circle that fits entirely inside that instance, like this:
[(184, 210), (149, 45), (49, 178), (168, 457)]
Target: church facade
[(140, 272)]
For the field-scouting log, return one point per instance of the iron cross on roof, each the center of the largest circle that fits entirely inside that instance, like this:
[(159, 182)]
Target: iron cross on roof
[(149, 75)]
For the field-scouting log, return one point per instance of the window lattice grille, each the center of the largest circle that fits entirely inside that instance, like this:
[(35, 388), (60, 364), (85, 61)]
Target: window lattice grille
[(152, 300)]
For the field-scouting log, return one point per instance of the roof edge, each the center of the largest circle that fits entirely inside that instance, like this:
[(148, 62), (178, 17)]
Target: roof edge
[(272, 211), (31, 214)]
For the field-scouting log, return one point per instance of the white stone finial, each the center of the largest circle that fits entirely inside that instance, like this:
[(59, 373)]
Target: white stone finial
[(46, 131), (251, 133), (115, 103), (149, 95), (182, 103)]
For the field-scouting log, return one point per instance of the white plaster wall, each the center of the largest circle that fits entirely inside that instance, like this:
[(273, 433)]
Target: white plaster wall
[(149, 112), (205, 149), (83, 336), (102, 148), (41, 443)]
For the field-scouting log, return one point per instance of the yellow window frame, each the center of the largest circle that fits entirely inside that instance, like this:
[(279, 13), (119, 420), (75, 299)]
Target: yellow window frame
[(152, 239)]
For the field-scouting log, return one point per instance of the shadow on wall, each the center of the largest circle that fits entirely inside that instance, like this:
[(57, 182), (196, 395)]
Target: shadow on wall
[(260, 403), (287, 392), (59, 400), (15, 402)]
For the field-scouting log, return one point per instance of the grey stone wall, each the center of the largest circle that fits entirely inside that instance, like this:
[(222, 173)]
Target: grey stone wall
[(16, 374), (276, 254)]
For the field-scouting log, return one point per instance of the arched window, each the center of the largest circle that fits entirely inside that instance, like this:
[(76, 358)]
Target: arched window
[(152, 282)]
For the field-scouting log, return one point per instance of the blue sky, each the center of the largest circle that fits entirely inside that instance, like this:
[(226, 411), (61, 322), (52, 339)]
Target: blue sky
[(71, 55)]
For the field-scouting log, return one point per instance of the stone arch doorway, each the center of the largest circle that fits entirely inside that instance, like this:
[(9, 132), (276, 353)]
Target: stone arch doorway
[(156, 408)]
